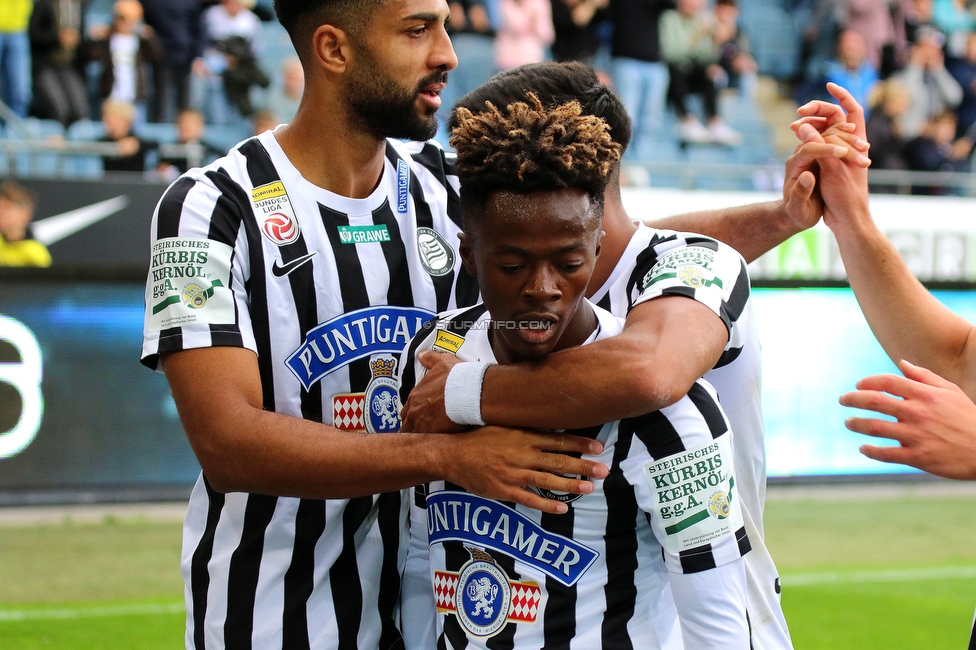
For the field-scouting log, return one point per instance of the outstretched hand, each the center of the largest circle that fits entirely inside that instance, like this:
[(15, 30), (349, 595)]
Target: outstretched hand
[(500, 463), (936, 421)]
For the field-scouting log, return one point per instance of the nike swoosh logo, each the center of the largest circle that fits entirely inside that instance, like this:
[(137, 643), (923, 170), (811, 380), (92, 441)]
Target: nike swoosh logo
[(54, 229), (281, 270)]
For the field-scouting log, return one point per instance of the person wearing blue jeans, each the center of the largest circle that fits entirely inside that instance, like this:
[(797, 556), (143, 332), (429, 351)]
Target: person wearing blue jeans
[(15, 61), (640, 77)]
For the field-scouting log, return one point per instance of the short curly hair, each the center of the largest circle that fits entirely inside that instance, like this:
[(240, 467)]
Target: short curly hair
[(527, 147)]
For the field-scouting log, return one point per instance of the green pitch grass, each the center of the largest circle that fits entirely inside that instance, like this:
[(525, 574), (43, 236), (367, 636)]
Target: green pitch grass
[(858, 574)]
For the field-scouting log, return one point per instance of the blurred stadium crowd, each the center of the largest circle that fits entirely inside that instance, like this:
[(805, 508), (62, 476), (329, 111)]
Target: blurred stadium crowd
[(139, 78)]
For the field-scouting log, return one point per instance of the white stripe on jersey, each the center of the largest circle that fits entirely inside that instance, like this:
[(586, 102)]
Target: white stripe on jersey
[(621, 598), (739, 386), (283, 572)]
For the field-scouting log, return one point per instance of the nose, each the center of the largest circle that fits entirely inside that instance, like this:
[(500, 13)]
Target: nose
[(443, 56), (542, 286)]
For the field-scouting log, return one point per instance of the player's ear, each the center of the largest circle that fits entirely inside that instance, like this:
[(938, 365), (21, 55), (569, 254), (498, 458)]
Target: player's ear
[(332, 48), (467, 255), (599, 243)]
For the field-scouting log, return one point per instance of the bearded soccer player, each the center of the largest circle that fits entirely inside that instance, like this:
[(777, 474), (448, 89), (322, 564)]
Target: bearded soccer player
[(285, 278), (532, 180)]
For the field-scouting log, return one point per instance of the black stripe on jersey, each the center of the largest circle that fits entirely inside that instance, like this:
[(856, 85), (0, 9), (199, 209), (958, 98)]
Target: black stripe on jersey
[(168, 225), (245, 565), (420, 493), (730, 355), (559, 619), (972, 638), (390, 506), (199, 574), (257, 285), (225, 224), (309, 526), (171, 208), (425, 219), (739, 294), (703, 242), (352, 287), (408, 372), (709, 409), (395, 253), (432, 157), (347, 591), (461, 323), (742, 538), (605, 302), (620, 537), (656, 432), (697, 559)]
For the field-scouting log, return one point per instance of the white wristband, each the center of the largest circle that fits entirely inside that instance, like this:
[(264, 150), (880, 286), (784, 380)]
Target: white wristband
[(462, 392)]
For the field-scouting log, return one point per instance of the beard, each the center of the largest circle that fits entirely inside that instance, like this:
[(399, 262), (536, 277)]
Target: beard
[(385, 108)]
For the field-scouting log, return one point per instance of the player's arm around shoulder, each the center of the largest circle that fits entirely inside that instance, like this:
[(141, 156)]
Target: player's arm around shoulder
[(681, 466), (687, 292)]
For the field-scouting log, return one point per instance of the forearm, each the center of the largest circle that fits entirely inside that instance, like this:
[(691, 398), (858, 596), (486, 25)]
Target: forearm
[(645, 368), (269, 453), (750, 229), (908, 321)]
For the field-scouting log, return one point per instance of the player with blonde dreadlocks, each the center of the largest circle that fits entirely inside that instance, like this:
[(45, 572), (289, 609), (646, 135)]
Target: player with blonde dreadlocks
[(479, 571)]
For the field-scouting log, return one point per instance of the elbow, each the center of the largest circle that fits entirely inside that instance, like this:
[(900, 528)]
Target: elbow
[(653, 389), (217, 460)]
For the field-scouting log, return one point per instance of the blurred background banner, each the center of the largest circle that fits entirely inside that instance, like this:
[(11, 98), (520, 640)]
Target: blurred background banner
[(102, 224), (108, 428)]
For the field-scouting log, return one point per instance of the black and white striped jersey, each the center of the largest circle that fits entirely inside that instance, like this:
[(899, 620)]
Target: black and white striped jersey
[(506, 576), (326, 290), (659, 258)]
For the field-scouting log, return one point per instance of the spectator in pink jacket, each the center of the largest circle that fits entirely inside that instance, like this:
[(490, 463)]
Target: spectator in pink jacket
[(526, 31)]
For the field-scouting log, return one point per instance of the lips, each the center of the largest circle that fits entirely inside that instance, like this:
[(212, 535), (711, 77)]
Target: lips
[(432, 94), (537, 328)]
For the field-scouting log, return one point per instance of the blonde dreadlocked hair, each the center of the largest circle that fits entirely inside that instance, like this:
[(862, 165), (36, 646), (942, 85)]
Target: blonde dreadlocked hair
[(531, 148)]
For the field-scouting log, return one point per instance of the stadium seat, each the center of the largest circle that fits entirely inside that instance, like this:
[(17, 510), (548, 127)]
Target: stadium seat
[(158, 132), (84, 166)]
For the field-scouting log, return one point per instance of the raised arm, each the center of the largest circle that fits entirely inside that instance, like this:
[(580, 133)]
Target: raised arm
[(908, 321), (243, 447)]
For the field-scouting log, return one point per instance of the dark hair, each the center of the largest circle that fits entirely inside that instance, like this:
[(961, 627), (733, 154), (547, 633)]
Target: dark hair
[(301, 18), (553, 83), (528, 147)]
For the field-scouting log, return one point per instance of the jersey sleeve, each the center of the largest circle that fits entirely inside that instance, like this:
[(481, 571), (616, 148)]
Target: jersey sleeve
[(712, 607), (694, 266), (195, 290), (681, 466)]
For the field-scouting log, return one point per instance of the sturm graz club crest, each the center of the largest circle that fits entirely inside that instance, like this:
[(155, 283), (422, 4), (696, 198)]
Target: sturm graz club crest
[(436, 255), (483, 595), (381, 397)]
